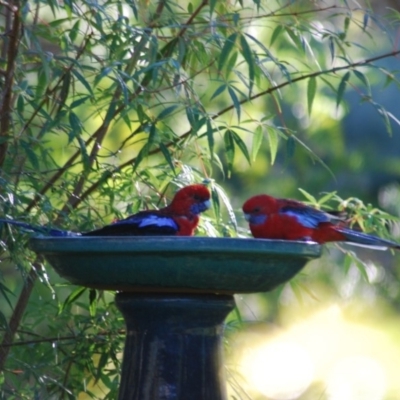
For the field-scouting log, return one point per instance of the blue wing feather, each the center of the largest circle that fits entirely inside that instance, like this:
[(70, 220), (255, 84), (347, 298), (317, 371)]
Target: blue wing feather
[(308, 216), (144, 223)]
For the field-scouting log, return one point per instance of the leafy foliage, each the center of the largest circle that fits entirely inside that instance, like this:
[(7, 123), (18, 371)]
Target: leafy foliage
[(108, 107)]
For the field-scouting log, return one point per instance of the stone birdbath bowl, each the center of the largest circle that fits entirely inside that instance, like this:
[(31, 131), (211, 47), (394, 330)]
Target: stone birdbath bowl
[(174, 294)]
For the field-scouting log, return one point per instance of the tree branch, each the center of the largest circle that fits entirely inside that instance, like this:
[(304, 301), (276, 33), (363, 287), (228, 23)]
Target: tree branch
[(6, 101), (17, 314)]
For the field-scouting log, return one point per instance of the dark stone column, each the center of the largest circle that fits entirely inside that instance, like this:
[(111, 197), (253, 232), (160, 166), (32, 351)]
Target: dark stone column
[(173, 347)]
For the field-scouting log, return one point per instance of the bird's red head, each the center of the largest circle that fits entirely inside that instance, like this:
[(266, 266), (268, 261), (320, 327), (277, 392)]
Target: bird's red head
[(192, 199), (260, 205)]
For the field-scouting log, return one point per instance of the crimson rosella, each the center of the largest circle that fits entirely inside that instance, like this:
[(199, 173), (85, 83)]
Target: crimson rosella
[(179, 218), (272, 218)]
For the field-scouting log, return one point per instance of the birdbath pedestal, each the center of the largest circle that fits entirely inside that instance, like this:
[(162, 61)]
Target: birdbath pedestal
[(174, 294)]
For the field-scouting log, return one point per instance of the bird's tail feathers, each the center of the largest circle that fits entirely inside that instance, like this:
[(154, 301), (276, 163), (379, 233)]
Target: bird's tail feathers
[(39, 229), (365, 240)]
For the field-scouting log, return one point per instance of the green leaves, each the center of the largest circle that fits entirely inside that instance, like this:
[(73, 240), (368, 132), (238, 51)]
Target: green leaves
[(342, 88), (231, 138), (311, 90), (226, 50)]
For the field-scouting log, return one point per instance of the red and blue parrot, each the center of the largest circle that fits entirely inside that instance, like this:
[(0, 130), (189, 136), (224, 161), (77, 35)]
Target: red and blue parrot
[(272, 218), (179, 218)]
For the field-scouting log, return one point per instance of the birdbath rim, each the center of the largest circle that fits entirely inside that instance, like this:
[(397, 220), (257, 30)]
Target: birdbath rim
[(176, 264)]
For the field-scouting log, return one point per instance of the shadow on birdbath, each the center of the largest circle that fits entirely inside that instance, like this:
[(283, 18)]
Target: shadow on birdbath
[(174, 294)]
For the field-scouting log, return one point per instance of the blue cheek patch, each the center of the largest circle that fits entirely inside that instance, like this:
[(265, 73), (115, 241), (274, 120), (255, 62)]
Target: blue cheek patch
[(257, 219), (198, 208)]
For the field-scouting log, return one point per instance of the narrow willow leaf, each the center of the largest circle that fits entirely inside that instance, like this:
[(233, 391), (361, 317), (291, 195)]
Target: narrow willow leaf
[(71, 298), (277, 31), (83, 81), (248, 56), (331, 44), (144, 151), (167, 111), (385, 116), (212, 4), (311, 90), (242, 145), (308, 196), (100, 370), (63, 94), (342, 88), (79, 102), (4, 290), (42, 84), (229, 150), (295, 38), (228, 46), (73, 33), (218, 91), (167, 156), (326, 197), (215, 203), (235, 100), (346, 25), (92, 302), (84, 154), (104, 72), (4, 324), (32, 157), (20, 104), (232, 61), (76, 127), (210, 138), (257, 140), (363, 79), (273, 139)]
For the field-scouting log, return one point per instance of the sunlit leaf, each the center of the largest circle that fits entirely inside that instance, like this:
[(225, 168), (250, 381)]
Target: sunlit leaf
[(210, 138), (273, 140), (166, 112), (71, 298), (235, 100), (242, 145), (342, 88), (363, 79), (167, 155), (228, 46), (248, 56), (308, 196), (219, 90), (277, 32), (229, 150), (92, 302), (311, 90), (257, 140)]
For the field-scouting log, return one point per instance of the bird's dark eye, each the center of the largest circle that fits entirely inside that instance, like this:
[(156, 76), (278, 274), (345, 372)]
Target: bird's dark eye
[(196, 197), (256, 209)]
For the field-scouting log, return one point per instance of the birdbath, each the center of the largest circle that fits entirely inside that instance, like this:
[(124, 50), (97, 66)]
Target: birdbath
[(174, 294)]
